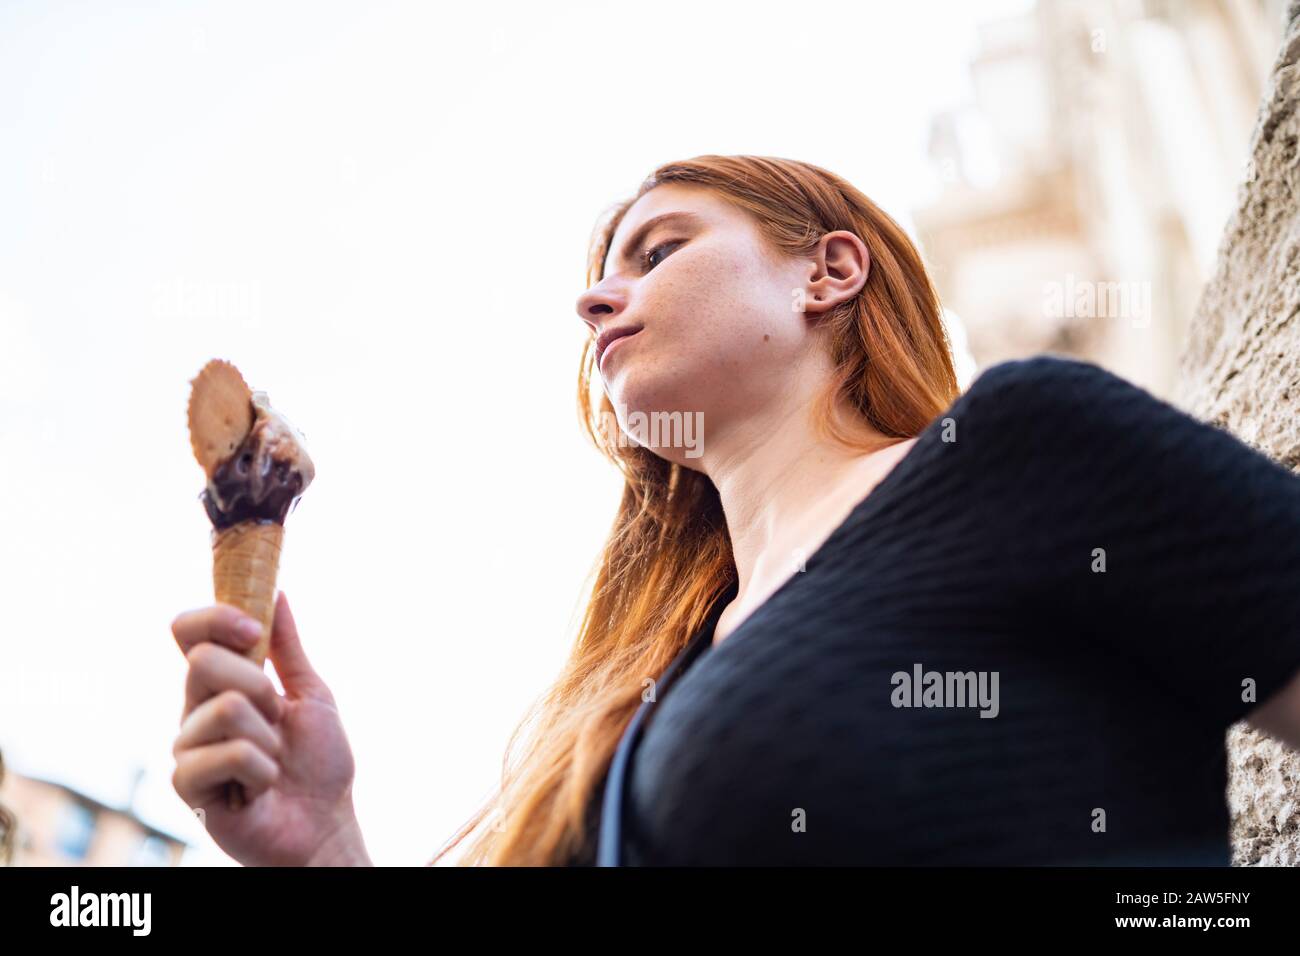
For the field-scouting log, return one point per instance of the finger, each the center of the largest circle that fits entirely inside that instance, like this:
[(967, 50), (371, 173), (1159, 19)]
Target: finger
[(201, 773), (214, 669), (297, 675), (222, 623), (228, 715)]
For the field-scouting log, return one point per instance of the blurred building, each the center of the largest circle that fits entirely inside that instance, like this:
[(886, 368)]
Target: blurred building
[(1084, 191), (59, 826)]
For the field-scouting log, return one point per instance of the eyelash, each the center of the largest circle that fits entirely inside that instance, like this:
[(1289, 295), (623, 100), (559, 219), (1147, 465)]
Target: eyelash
[(645, 256)]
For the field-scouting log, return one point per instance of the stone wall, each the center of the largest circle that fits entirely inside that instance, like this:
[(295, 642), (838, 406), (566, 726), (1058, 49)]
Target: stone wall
[(1241, 370)]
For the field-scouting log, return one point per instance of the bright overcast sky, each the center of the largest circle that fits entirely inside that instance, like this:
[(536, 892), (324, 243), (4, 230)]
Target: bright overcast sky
[(349, 202)]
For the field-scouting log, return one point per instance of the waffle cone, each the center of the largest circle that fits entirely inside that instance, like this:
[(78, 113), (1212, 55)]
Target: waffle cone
[(245, 559)]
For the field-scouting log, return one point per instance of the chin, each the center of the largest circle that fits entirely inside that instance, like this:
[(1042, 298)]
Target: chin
[(665, 420), (635, 396)]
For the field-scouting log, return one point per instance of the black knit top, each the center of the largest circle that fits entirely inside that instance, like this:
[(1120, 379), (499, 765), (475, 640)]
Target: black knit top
[(1024, 646)]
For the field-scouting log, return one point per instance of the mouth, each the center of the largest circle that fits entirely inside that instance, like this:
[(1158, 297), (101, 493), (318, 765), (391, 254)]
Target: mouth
[(609, 337)]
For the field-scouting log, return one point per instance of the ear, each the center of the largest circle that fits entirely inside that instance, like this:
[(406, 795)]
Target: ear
[(838, 271)]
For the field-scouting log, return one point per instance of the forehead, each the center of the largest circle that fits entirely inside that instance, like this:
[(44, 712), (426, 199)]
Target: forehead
[(670, 197)]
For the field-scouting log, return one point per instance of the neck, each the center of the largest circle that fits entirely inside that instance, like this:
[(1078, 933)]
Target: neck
[(784, 487)]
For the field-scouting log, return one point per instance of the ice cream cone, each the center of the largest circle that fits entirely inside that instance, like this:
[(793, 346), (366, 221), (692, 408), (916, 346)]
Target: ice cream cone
[(256, 469), (245, 559)]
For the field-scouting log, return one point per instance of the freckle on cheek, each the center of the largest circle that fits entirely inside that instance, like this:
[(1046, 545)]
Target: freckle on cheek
[(766, 337)]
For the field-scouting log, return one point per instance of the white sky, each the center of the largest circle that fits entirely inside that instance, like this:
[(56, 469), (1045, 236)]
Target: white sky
[(346, 201)]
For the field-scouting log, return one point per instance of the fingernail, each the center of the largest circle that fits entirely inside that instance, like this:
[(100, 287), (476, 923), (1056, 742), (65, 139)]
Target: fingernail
[(249, 628)]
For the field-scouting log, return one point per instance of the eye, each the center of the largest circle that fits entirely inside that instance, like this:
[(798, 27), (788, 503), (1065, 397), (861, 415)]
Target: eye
[(646, 266)]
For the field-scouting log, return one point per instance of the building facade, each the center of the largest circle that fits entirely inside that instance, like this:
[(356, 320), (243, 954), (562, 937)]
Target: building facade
[(1085, 189), (57, 825)]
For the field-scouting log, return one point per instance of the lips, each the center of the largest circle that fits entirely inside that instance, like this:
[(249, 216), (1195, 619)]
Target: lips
[(610, 336)]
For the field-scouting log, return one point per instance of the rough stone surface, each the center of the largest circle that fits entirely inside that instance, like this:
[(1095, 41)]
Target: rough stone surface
[(1241, 371)]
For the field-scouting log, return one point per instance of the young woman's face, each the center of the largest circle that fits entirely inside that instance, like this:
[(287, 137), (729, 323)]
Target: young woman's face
[(720, 331)]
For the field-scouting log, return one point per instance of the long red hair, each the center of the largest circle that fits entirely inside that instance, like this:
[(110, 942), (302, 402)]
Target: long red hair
[(668, 556)]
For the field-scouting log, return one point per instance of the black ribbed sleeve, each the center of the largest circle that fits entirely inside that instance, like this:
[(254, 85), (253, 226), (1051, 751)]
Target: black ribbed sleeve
[(1198, 534)]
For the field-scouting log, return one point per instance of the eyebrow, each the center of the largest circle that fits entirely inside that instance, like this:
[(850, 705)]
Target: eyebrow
[(638, 237)]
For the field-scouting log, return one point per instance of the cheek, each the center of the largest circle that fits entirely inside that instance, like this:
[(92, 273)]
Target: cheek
[(717, 296), (720, 326)]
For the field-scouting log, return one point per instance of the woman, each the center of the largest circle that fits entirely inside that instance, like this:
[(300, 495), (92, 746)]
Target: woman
[(899, 624)]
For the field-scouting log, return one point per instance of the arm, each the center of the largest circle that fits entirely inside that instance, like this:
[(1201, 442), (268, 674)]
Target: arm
[(1181, 543), (1279, 716), (343, 847)]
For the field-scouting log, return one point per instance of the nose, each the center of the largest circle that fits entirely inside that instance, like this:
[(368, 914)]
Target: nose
[(596, 304)]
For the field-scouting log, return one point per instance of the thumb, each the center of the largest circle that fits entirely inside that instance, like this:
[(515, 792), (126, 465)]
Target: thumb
[(296, 673)]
